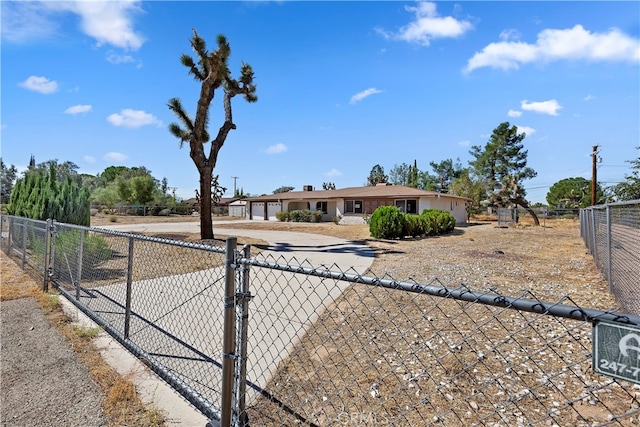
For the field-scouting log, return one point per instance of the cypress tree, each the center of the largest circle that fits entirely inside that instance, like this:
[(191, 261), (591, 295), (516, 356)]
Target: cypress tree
[(37, 196)]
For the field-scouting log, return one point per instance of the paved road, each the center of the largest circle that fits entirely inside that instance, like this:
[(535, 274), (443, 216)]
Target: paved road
[(283, 307)]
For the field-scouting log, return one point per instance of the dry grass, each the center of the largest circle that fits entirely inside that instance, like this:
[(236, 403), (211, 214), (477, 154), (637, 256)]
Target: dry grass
[(121, 406)]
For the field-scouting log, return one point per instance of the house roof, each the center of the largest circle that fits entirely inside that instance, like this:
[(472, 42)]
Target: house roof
[(368, 192)]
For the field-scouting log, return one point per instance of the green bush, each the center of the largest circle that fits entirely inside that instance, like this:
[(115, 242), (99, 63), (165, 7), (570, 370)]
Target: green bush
[(386, 222), (413, 226), (439, 221), (305, 215), (165, 212), (282, 216)]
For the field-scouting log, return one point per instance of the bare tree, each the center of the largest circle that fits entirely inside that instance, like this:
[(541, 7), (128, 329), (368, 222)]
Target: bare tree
[(213, 73)]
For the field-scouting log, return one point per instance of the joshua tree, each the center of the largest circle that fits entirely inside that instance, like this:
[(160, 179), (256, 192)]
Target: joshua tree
[(213, 73)]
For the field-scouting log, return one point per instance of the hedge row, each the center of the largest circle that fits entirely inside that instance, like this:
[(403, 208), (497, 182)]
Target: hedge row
[(387, 222)]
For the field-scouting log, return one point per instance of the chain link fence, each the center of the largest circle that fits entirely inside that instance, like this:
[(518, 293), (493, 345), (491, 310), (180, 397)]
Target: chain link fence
[(161, 299), (612, 234), (374, 351), (274, 341)]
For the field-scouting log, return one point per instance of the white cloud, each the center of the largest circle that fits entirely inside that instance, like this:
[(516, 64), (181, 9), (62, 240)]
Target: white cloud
[(589, 97), (549, 107), (89, 159), (77, 109), (108, 22), (133, 119), (40, 84), (509, 34), (464, 143), (526, 129), (427, 25), (514, 113), (278, 148), (114, 156), (575, 43), (23, 21), (362, 95), (116, 58), (333, 173)]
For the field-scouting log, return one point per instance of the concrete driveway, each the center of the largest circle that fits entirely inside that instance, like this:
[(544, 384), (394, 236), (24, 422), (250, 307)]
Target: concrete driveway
[(284, 305)]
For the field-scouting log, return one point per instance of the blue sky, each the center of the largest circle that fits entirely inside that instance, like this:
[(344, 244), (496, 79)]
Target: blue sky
[(342, 86)]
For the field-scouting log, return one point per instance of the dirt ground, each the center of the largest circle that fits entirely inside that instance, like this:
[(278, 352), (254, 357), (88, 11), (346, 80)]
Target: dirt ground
[(547, 262)]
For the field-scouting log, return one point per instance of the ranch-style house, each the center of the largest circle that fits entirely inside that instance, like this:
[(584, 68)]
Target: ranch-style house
[(354, 203)]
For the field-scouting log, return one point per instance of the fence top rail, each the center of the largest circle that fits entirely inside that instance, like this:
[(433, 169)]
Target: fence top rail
[(463, 293), (180, 243), (628, 202), (21, 218)]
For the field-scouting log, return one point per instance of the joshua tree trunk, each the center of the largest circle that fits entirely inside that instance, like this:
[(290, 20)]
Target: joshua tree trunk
[(206, 221), (525, 205)]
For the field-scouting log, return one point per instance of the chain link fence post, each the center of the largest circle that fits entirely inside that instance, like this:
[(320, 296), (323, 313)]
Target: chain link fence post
[(608, 261), (24, 245), (594, 243), (127, 309), (11, 226), (48, 243), (79, 271), (244, 296), (229, 334)]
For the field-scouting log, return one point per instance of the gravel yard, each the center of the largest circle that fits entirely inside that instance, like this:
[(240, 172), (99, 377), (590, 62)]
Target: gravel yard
[(37, 389)]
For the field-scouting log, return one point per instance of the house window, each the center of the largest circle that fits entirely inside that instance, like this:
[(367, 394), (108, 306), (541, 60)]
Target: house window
[(409, 206), (353, 206), (321, 206)]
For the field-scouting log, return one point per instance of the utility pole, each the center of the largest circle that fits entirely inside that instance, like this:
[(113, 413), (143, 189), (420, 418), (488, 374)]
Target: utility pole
[(594, 174), (234, 185)]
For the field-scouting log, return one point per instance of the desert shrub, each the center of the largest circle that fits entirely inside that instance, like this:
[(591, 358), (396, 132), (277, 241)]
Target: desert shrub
[(316, 216), (304, 215), (165, 212), (413, 225), (94, 212), (439, 221), (386, 222), (445, 222), (113, 218), (282, 216), (336, 219)]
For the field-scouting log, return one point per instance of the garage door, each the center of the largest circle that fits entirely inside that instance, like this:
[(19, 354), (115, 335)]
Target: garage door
[(257, 210), (272, 208)]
